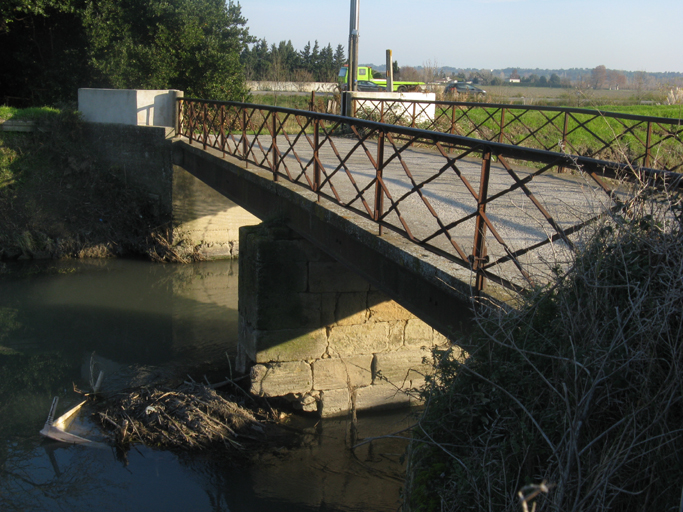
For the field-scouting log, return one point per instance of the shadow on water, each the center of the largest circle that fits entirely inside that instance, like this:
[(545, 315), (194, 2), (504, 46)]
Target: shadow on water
[(148, 323)]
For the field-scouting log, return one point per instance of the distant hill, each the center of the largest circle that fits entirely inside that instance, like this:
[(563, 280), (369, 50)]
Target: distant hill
[(572, 73)]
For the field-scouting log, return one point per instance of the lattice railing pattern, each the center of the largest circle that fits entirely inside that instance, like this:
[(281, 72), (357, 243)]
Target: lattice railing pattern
[(650, 142), (465, 199)]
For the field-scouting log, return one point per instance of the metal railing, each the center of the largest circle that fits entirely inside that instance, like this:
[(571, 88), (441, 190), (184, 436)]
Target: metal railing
[(464, 199), (652, 142)]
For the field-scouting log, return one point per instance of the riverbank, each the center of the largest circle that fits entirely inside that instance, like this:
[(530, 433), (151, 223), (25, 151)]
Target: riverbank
[(57, 201)]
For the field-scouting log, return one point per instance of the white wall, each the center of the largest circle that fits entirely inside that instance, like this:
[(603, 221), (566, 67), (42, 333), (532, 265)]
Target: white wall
[(293, 86), (425, 111), (129, 106)]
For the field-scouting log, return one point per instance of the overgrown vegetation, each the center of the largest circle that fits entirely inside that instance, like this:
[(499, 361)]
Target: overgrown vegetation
[(57, 201), (579, 388), (284, 63), (53, 47)]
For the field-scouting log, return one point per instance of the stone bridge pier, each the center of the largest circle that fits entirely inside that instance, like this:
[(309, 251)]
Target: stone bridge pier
[(319, 335)]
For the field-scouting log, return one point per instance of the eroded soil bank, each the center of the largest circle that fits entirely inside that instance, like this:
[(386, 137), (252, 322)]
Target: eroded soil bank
[(56, 201)]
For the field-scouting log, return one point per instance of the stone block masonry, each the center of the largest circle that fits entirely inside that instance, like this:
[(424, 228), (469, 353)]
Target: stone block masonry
[(320, 336)]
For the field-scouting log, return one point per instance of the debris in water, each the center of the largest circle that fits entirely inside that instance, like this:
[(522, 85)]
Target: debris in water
[(191, 416), (56, 429)]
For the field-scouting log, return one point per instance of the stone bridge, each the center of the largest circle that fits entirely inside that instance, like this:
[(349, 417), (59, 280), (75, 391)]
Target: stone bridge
[(341, 304)]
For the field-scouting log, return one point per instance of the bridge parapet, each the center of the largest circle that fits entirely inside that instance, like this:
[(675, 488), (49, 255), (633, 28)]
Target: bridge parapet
[(129, 106)]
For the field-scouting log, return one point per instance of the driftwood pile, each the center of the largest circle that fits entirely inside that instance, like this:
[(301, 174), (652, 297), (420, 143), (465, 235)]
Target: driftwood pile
[(192, 416)]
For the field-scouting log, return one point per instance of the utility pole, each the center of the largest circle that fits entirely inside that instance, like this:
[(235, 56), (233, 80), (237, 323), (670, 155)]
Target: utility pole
[(353, 44)]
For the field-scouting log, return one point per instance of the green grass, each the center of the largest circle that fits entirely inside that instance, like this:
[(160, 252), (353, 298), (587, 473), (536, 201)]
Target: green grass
[(585, 132), (282, 100), (17, 155), (26, 114), (670, 111)]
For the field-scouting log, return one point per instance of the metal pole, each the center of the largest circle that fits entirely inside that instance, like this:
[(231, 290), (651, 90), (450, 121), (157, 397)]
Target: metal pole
[(244, 137), (353, 44), (379, 192), (316, 156), (276, 162), (648, 144), (565, 127), (479, 246), (390, 72)]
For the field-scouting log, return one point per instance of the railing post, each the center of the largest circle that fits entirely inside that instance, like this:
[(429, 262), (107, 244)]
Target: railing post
[(648, 145), (502, 124), (414, 115), (316, 164), (190, 132), (205, 125), (479, 247), (562, 168), (379, 192), (273, 146), (381, 111), (244, 137), (223, 130), (179, 117)]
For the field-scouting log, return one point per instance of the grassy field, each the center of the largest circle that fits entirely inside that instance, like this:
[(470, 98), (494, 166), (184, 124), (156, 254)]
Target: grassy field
[(26, 113)]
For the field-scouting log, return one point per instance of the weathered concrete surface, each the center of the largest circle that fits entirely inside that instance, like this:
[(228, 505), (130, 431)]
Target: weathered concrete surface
[(129, 106), (206, 219), (324, 349), (142, 155), (281, 86)]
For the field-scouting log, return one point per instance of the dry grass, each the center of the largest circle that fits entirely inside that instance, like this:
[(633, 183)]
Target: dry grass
[(580, 387)]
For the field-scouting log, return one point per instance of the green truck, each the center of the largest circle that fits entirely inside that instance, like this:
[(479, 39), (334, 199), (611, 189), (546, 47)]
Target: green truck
[(365, 74)]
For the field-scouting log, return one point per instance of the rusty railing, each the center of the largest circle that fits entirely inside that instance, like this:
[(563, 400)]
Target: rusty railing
[(652, 142), (470, 201)]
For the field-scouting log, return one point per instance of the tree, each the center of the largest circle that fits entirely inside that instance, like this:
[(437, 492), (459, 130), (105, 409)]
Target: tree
[(339, 57), (599, 77), (410, 74), (50, 48), (43, 52), (615, 79), (192, 45)]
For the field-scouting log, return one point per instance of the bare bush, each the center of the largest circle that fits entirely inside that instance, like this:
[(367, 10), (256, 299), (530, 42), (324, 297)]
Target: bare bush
[(580, 387), (675, 97)]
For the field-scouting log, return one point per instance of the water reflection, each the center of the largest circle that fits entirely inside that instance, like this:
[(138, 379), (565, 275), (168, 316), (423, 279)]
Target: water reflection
[(149, 322)]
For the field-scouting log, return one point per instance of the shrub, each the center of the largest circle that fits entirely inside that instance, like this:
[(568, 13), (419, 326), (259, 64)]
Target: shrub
[(580, 387)]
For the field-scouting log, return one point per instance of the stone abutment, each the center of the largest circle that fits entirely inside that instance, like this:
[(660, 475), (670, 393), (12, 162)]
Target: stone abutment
[(319, 335)]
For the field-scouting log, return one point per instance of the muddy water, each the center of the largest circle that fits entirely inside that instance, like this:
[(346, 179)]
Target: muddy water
[(143, 323)]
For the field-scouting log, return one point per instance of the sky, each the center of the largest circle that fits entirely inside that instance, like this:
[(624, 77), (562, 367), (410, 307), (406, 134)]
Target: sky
[(625, 35)]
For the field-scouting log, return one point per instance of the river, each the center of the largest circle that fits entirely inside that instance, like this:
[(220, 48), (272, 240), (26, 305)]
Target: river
[(142, 322)]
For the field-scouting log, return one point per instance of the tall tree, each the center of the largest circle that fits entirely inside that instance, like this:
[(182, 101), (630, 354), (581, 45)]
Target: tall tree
[(192, 45), (43, 56), (339, 57), (599, 77), (50, 48)]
